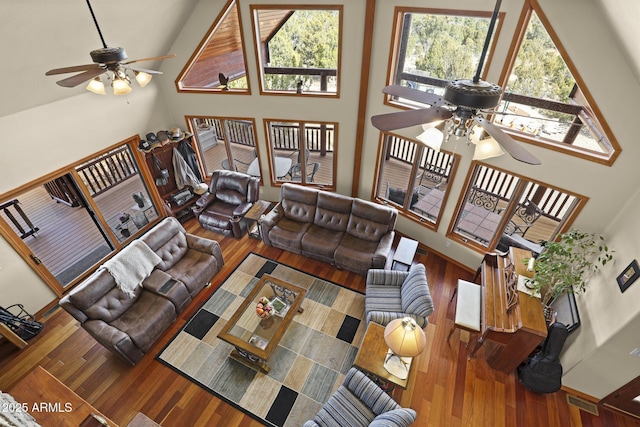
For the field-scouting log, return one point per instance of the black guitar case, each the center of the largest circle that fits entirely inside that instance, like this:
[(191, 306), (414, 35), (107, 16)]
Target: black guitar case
[(543, 372)]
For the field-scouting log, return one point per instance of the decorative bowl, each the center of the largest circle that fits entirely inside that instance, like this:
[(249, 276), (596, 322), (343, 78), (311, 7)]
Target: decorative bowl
[(264, 309)]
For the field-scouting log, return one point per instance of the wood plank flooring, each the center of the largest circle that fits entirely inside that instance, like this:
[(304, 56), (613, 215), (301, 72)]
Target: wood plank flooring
[(448, 390)]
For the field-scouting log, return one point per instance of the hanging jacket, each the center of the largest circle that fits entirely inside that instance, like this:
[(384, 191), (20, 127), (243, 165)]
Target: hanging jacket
[(186, 150), (183, 172)]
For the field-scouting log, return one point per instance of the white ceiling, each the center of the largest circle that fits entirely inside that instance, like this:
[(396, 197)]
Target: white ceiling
[(37, 35)]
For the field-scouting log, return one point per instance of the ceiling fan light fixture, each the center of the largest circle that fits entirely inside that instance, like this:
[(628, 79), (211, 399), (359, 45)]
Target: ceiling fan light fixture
[(96, 86), (121, 86), (142, 78), (432, 138), (486, 149)]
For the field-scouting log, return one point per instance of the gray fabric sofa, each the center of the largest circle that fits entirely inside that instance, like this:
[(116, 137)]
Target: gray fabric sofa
[(129, 325), (360, 402), (350, 233)]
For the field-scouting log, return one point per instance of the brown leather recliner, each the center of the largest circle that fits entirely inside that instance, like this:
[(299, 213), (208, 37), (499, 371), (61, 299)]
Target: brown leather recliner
[(231, 194)]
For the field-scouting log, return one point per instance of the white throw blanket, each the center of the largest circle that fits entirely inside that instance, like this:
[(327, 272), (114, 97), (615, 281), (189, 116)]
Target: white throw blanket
[(132, 265)]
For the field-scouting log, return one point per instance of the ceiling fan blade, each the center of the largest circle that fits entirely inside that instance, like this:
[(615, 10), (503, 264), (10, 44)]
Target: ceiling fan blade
[(73, 69), (74, 81), (405, 119), (509, 144), (154, 58), (142, 70), (414, 95)]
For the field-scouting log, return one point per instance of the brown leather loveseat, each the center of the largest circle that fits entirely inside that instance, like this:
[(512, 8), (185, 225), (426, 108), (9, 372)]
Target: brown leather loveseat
[(348, 232), (128, 325)]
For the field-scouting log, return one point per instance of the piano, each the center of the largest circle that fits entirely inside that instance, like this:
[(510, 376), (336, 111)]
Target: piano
[(512, 321)]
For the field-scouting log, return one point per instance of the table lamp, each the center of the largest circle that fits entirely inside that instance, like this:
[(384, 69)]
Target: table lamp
[(405, 340)]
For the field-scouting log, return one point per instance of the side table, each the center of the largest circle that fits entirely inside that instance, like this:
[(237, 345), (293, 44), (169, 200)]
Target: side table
[(371, 356), (253, 215), (404, 254)]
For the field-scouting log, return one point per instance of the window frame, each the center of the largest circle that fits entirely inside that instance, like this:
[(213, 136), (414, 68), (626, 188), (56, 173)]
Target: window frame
[(275, 181), (590, 106), (255, 9), (563, 225), (420, 149)]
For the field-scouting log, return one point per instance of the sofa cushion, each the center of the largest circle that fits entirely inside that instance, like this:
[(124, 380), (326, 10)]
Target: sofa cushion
[(288, 234), (299, 203), (332, 211), (195, 269), (358, 255), (210, 219), (369, 221), (231, 197), (414, 292), (401, 417), (321, 242), (344, 409), (383, 298), (100, 298), (167, 239), (145, 321)]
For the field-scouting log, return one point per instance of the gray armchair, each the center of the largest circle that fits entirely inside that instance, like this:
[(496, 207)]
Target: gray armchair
[(360, 402), (231, 194), (392, 294)]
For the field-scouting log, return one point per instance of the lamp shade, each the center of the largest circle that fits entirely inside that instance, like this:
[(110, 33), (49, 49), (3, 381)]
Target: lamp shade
[(404, 337), (142, 78), (121, 87), (431, 137), (96, 86), (486, 146)]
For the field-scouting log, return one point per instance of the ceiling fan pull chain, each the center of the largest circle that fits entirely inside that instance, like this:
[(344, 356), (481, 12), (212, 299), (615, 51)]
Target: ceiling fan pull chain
[(95, 21)]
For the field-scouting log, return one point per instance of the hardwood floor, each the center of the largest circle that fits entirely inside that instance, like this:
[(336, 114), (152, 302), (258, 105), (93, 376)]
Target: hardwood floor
[(448, 390)]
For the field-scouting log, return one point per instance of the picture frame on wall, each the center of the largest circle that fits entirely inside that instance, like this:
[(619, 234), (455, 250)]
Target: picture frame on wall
[(628, 276)]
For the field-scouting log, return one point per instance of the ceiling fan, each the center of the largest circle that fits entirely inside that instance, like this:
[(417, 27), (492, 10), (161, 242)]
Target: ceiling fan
[(107, 59), (463, 101)]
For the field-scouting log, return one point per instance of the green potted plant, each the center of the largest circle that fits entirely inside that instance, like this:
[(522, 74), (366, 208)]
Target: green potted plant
[(566, 265)]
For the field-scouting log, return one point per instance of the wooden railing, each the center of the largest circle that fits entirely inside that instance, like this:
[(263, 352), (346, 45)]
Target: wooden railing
[(318, 138), (108, 170), (26, 230)]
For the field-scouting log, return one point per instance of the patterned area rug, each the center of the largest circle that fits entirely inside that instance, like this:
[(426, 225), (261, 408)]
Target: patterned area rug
[(309, 364)]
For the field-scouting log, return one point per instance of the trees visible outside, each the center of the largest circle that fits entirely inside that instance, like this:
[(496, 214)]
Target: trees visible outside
[(309, 39)]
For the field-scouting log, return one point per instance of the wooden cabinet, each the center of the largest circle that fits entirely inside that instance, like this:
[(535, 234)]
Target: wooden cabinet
[(164, 157)]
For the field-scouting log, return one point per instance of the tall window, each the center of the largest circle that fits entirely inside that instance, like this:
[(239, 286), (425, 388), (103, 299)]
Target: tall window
[(544, 103), (226, 143), (500, 209), (299, 48), (302, 152), (414, 177), (433, 48)]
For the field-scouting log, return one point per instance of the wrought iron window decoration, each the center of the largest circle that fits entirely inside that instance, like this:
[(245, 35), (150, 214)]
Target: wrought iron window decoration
[(628, 276)]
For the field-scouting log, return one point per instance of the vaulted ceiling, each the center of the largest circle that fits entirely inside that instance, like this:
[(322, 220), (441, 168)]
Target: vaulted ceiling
[(38, 35)]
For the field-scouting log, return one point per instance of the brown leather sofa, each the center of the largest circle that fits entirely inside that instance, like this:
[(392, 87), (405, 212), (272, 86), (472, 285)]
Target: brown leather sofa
[(128, 326), (231, 194), (350, 233)]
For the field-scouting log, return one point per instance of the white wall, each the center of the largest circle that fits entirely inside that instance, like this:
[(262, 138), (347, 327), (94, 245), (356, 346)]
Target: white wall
[(47, 138)]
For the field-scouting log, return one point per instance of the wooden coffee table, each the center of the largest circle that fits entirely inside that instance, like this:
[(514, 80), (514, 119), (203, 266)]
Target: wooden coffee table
[(371, 356), (255, 338)]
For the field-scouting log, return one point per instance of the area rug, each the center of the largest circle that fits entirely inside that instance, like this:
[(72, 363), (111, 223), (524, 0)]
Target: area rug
[(309, 364)]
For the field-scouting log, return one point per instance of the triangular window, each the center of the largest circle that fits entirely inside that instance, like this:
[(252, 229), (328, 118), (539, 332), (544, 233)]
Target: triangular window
[(544, 102), (219, 62)]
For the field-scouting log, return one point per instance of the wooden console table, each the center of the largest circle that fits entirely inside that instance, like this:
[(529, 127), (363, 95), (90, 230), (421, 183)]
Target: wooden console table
[(55, 404)]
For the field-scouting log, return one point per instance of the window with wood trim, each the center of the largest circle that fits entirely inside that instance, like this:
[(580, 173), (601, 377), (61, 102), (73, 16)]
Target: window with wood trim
[(219, 62), (298, 48), (414, 178), (226, 143), (500, 209), (302, 152), (544, 101)]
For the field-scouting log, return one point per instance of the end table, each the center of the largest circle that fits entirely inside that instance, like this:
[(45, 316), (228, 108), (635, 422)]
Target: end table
[(253, 216)]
